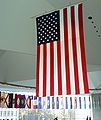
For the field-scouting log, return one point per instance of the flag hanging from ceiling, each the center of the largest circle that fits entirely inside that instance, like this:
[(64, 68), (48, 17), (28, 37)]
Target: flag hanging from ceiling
[(61, 62)]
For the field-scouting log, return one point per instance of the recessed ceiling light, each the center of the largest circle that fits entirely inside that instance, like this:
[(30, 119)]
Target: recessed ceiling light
[(94, 26), (89, 17)]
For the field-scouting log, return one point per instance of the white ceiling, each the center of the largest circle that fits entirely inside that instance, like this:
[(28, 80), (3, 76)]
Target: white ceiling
[(18, 35)]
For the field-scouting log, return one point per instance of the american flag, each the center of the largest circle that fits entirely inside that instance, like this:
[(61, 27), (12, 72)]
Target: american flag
[(61, 62)]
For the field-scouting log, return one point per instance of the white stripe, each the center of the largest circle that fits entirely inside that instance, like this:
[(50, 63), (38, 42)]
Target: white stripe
[(41, 72), (55, 70), (78, 51), (48, 71), (72, 80), (62, 53)]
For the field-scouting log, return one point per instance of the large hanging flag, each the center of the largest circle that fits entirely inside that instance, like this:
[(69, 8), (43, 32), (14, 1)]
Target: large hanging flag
[(61, 62)]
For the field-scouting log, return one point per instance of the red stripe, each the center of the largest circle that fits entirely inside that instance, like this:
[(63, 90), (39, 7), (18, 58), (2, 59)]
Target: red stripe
[(77, 90), (51, 69), (68, 88), (83, 58), (44, 69), (59, 68), (37, 71)]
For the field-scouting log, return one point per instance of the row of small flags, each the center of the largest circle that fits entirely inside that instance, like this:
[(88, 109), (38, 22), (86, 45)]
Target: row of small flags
[(67, 102), (10, 100)]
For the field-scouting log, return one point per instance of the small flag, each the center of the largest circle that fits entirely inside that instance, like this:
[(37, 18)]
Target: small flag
[(28, 101), (57, 102), (4, 100), (39, 102), (17, 101), (48, 102), (53, 103), (10, 100), (80, 102), (35, 105), (71, 103), (44, 102), (89, 102), (66, 102), (75, 102), (84, 102), (22, 101)]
